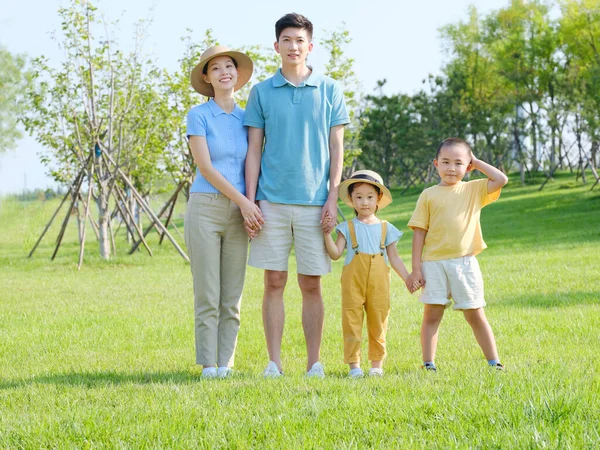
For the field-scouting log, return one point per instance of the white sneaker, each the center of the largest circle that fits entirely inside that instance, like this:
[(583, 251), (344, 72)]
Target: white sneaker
[(224, 372), (209, 372), (355, 373), (272, 371), (376, 372), (316, 371)]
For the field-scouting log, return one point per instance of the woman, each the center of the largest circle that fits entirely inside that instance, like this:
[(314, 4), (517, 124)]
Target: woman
[(217, 209)]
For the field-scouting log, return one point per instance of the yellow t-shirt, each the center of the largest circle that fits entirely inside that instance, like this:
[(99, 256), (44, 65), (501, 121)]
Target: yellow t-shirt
[(450, 214)]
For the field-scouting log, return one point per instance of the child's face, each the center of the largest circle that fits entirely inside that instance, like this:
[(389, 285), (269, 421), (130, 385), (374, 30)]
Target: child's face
[(365, 199), (221, 73), (294, 45), (452, 164)]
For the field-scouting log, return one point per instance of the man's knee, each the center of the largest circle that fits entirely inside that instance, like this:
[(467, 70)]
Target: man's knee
[(310, 285), (275, 281)]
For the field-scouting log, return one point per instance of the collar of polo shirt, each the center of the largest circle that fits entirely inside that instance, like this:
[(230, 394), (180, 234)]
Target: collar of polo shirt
[(312, 80), (216, 109)]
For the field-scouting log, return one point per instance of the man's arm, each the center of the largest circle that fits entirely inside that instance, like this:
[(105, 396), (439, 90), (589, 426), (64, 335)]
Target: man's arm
[(255, 144), (336, 158), (497, 178)]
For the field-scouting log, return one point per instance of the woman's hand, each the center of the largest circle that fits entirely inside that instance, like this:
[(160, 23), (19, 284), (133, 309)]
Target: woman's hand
[(253, 217)]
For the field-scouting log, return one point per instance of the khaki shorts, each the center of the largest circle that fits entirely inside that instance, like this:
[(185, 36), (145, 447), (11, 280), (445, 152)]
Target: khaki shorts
[(286, 225), (458, 279)]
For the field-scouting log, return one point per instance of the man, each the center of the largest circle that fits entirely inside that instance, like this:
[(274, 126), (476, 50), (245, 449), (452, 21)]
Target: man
[(300, 118)]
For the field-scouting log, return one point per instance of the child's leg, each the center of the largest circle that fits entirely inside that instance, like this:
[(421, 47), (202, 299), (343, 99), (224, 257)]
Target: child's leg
[(378, 310), (483, 332), (432, 316), (352, 323)]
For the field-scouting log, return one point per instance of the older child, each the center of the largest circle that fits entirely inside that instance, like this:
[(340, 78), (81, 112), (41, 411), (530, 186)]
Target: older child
[(370, 243), (217, 209), (447, 236)]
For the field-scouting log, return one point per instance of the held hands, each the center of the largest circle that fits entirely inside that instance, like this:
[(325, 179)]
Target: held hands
[(415, 281), (253, 218), (329, 216), (327, 223)]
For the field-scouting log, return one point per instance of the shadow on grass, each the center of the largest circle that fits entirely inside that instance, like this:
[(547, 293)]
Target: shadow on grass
[(99, 379), (554, 300)]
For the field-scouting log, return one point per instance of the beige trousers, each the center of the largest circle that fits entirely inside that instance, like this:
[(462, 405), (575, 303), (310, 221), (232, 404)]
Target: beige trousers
[(218, 248)]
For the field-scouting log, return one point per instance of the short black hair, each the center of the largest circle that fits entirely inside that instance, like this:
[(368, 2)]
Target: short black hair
[(293, 20), (451, 142)]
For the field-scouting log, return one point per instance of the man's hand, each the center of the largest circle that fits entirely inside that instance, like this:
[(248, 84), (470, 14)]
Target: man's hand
[(329, 215)]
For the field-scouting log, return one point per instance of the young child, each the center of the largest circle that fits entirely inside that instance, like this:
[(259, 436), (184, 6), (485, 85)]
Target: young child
[(370, 243), (447, 236)]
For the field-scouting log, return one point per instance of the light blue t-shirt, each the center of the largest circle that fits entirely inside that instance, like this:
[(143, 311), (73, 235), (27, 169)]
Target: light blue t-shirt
[(368, 238), (227, 140), (294, 168)]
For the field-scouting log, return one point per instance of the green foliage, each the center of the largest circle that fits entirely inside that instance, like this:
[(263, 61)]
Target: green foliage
[(13, 81), (341, 68), (521, 85)]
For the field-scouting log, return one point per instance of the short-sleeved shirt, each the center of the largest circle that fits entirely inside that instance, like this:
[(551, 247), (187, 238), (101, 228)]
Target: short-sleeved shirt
[(297, 120), (368, 238), (450, 214), (227, 141)]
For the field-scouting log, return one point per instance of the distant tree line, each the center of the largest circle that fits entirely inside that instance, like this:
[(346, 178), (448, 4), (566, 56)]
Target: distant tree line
[(521, 84)]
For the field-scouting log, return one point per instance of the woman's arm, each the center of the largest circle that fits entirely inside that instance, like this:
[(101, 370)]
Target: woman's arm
[(251, 213)]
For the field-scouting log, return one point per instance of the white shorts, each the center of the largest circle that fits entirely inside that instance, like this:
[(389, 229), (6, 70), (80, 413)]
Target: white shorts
[(458, 279), (286, 225)]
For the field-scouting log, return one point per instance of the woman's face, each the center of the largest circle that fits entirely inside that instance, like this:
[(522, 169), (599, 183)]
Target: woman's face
[(221, 73)]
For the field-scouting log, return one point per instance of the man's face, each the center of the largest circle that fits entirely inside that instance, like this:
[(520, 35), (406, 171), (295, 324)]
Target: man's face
[(294, 45)]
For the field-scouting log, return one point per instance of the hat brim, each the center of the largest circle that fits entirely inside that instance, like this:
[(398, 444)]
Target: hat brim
[(386, 197), (245, 66)]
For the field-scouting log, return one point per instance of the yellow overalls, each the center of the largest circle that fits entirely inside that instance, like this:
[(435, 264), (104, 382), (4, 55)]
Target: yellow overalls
[(365, 287)]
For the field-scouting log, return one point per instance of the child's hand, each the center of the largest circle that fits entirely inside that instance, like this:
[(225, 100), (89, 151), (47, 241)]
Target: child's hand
[(415, 281), (415, 286), (326, 225)]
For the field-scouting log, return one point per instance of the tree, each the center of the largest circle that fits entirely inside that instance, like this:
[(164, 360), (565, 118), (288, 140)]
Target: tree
[(13, 82), (340, 68), (580, 34), (479, 95), (101, 117)]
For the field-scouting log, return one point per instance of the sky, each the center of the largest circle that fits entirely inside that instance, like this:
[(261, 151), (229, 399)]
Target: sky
[(393, 39)]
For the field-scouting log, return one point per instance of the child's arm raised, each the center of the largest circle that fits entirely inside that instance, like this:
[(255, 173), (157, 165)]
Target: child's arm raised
[(497, 178)]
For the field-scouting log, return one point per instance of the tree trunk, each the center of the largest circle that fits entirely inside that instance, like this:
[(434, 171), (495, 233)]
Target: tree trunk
[(103, 231)]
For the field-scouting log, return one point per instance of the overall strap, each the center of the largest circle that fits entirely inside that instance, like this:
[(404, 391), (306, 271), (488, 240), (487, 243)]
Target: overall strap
[(353, 236), (383, 235)]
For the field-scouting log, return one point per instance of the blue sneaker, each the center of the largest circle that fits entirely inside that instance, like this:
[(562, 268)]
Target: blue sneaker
[(429, 366)]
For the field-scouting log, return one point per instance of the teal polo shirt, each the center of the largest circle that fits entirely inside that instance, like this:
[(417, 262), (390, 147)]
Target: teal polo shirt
[(294, 168)]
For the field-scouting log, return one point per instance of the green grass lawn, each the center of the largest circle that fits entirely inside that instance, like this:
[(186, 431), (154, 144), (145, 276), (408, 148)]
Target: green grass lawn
[(104, 357)]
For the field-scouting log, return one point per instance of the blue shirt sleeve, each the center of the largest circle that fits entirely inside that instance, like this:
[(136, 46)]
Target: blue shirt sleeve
[(343, 228), (339, 113), (254, 116), (393, 234), (196, 123)]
